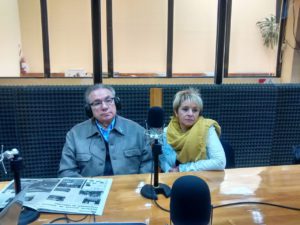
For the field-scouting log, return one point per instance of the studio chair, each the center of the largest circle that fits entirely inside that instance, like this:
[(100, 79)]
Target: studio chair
[(229, 153), (296, 151)]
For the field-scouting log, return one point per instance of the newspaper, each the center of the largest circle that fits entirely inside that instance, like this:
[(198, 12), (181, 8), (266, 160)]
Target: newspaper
[(65, 195)]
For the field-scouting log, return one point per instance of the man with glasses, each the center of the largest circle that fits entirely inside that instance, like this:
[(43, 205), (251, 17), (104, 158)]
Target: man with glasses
[(106, 144)]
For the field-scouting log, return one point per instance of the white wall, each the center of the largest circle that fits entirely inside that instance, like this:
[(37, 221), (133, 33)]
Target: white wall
[(70, 35), (9, 38), (247, 52), (31, 34), (290, 56)]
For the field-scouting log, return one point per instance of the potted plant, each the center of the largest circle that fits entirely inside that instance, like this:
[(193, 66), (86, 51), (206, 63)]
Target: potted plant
[(269, 30)]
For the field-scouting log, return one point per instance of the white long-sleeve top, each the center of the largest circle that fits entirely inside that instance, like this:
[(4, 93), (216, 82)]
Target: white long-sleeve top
[(215, 160)]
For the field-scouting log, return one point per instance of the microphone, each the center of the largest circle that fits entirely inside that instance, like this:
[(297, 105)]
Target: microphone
[(190, 202), (155, 117), (9, 154), (15, 164), (155, 123), (25, 215)]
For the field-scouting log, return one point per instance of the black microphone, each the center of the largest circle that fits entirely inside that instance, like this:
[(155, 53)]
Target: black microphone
[(155, 123), (15, 164), (155, 117), (190, 202)]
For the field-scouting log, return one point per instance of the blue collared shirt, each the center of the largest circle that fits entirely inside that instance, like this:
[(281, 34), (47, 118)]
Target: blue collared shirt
[(105, 132)]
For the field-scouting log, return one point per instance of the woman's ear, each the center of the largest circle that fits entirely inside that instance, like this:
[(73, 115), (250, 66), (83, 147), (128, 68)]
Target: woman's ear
[(175, 113)]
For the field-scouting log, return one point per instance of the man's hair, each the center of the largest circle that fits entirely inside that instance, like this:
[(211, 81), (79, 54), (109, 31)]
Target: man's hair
[(190, 94), (92, 88)]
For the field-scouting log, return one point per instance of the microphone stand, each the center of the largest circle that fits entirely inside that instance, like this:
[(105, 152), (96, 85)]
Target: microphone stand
[(27, 215), (151, 191), (16, 164)]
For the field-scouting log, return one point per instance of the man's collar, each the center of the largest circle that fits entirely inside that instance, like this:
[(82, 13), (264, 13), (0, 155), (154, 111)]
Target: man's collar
[(110, 126), (119, 127), (93, 130)]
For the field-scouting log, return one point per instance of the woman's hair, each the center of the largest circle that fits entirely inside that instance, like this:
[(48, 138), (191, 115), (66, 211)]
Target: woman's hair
[(92, 88), (190, 94)]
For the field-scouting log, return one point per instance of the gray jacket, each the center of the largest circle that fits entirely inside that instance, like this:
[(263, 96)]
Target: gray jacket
[(84, 151)]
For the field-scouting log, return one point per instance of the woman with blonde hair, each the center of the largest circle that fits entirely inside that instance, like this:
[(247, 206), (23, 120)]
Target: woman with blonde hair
[(191, 142)]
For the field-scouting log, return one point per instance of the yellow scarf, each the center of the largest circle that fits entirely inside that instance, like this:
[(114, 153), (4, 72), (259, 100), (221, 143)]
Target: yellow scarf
[(190, 146)]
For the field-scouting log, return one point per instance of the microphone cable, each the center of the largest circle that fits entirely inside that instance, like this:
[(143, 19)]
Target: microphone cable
[(256, 203), (239, 203), (160, 207), (153, 200)]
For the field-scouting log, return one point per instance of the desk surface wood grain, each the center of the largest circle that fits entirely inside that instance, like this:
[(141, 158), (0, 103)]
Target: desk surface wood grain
[(277, 184)]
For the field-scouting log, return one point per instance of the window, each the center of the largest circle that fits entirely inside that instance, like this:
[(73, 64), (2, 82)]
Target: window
[(195, 26), (248, 56), (147, 39)]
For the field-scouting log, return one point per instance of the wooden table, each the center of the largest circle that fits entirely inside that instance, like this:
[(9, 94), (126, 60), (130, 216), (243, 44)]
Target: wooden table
[(277, 184)]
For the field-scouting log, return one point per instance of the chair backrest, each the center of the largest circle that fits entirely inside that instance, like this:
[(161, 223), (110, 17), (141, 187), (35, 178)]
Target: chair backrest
[(229, 153), (296, 151)]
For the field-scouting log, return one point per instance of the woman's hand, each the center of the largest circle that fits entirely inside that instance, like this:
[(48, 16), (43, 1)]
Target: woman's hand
[(174, 169)]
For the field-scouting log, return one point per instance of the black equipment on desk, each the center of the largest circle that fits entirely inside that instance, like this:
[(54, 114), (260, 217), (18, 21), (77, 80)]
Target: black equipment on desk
[(155, 126), (190, 202)]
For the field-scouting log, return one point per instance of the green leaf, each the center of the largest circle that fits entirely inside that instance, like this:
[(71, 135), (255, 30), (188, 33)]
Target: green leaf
[(269, 30)]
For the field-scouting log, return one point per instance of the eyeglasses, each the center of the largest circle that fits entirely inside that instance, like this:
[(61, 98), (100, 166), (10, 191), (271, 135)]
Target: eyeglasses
[(98, 103)]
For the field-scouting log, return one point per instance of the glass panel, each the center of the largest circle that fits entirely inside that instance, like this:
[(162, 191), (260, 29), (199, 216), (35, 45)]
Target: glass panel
[(21, 48), (70, 37), (10, 39), (248, 56), (195, 27), (140, 37)]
